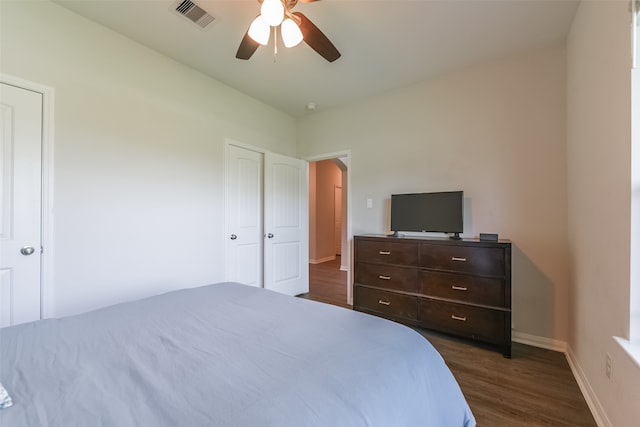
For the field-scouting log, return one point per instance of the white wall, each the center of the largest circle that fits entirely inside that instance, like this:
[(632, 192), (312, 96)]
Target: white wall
[(138, 166), (599, 186), (496, 131)]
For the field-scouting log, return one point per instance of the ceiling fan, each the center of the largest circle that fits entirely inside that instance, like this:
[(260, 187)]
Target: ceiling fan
[(294, 28)]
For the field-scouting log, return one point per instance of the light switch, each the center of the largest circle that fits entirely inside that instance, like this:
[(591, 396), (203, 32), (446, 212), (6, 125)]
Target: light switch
[(369, 203)]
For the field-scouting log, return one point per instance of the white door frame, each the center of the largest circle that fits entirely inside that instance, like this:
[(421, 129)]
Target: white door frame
[(46, 224), (346, 154)]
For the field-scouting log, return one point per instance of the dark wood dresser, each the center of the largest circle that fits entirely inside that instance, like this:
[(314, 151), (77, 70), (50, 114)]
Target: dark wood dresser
[(460, 287)]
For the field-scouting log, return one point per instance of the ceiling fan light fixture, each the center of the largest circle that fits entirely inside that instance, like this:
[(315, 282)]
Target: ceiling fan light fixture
[(294, 28), (272, 12), (291, 34), (260, 31)]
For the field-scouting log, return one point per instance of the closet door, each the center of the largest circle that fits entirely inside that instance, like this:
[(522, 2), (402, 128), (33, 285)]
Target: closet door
[(244, 234), (286, 225), (21, 210), (267, 220)]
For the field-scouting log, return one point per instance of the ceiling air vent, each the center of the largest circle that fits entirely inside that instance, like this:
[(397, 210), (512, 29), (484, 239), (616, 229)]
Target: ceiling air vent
[(194, 13)]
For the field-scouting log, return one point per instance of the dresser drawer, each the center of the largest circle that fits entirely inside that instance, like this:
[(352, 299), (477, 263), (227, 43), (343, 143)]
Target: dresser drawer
[(470, 289), (386, 303), (465, 259), (472, 322), (387, 276), (387, 252)]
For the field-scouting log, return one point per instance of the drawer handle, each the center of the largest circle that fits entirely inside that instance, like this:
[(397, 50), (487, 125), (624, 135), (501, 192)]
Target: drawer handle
[(460, 318), (384, 277), (455, 258), (384, 302), (458, 288), (385, 252)]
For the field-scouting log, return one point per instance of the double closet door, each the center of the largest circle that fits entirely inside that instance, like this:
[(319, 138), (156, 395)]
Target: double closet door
[(267, 220)]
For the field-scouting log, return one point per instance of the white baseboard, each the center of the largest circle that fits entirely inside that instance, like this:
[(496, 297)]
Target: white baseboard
[(589, 396), (344, 268), (541, 342), (321, 260)]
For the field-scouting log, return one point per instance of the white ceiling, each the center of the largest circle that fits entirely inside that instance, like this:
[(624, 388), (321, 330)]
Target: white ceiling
[(385, 44)]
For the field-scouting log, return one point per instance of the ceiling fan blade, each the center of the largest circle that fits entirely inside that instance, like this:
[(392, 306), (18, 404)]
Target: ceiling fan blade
[(247, 47), (316, 39), (290, 4)]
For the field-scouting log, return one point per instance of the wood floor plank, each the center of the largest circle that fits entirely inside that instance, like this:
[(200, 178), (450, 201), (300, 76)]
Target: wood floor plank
[(534, 388), (327, 283)]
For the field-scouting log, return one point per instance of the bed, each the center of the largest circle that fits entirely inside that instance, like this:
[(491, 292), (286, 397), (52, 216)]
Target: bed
[(225, 355)]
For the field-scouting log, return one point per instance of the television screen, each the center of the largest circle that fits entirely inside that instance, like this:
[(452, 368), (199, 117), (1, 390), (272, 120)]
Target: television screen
[(434, 212)]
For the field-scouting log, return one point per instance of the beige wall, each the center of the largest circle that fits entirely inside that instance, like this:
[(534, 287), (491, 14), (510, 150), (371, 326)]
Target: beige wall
[(326, 176), (138, 157), (496, 131), (599, 183), (312, 212)]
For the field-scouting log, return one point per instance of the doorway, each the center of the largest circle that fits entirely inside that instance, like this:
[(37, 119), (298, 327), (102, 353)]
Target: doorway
[(329, 249)]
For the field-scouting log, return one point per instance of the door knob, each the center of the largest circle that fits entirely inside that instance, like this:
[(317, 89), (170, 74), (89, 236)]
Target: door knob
[(270, 236), (233, 237), (27, 250)]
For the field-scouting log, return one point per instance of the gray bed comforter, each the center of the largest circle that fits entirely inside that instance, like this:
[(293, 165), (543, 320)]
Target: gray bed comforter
[(225, 355)]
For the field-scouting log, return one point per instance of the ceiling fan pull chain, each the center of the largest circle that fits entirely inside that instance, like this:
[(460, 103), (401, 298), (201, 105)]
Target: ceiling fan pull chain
[(275, 43)]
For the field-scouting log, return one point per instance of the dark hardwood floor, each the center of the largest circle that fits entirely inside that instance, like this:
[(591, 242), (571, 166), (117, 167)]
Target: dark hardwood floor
[(327, 283), (534, 388)]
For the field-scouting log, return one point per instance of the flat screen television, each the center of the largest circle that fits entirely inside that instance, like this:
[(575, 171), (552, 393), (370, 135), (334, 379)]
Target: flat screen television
[(440, 212)]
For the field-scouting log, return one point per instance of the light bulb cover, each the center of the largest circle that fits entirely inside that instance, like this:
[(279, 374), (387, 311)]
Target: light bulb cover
[(260, 31), (272, 12), (291, 34)]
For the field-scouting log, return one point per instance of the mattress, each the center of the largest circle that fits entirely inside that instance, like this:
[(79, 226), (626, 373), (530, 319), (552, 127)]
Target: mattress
[(225, 355)]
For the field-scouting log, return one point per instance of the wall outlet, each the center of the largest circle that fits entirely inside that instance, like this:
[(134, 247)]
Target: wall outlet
[(369, 203), (609, 367)]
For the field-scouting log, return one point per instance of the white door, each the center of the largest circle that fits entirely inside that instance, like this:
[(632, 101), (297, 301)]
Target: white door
[(244, 216), (286, 220), (20, 216)]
